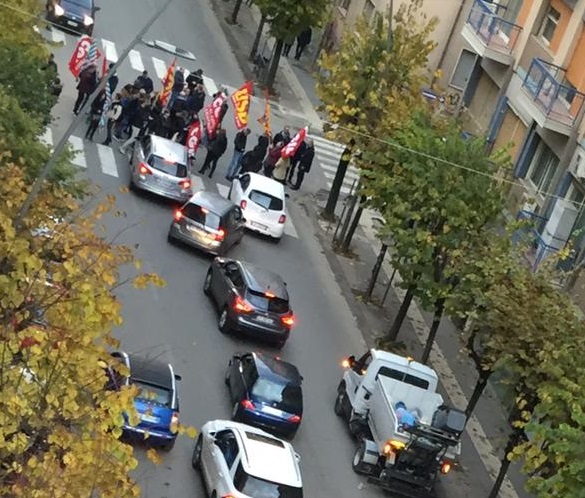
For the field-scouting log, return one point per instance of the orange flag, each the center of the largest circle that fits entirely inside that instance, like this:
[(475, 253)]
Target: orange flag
[(168, 82), (264, 120), (241, 101)]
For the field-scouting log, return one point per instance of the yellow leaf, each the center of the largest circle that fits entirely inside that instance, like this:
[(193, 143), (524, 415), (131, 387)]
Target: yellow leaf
[(153, 456)]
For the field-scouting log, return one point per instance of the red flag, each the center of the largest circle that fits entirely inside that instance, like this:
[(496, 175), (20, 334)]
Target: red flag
[(193, 137), (290, 148), (85, 52), (212, 115), (168, 82), (241, 101)]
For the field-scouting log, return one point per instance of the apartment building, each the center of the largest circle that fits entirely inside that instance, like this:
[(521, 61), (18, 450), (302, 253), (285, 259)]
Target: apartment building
[(518, 67), (346, 13)]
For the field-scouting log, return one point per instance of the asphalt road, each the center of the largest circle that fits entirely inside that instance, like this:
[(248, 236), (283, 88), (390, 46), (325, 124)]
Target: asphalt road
[(177, 322)]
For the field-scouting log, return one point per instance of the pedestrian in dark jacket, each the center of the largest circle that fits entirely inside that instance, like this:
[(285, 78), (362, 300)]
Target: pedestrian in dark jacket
[(240, 141), (113, 80), (96, 111), (144, 82), (178, 86), (195, 78), (87, 84), (199, 98), (56, 87), (302, 41), (305, 164), (282, 136), (273, 156), (252, 160), (214, 151), (114, 113), (137, 122), (222, 111), (263, 144), (294, 160)]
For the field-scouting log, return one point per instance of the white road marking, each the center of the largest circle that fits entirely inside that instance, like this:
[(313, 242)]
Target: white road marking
[(110, 49), (160, 68), (79, 158), (349, 176), (136, 60), (210, 86), (107, 160), (289, 227), (343, 190), (47, 137), (58, 36), (222, 189), (197, 183)]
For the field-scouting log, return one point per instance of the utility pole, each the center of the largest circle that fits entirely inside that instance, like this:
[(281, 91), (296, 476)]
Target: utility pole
[(60, 147)]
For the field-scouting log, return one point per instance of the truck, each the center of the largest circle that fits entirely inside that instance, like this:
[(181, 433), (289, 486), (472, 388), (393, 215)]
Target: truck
[(406, 434)]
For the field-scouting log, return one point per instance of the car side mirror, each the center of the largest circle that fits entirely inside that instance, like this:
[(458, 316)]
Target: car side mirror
[(95, 9), (243, 220), (298, 457), (178, 377)]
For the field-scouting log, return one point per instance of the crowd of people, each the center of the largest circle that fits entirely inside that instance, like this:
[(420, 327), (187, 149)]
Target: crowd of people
[(135, 110)]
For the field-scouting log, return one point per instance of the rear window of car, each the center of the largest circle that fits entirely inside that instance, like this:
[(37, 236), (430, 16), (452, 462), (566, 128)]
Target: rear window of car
[(267, 201), (202, 215), (260, 488), (264, 303), (152, 393), (169, 167), (285, 397)]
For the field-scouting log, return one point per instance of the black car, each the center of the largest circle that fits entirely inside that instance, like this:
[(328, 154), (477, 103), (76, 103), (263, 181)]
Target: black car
[(265, 392), (74, 15), (250, 300)]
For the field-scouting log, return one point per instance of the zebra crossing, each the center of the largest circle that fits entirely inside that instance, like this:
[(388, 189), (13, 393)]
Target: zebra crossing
[(328, 154), (87, 154)]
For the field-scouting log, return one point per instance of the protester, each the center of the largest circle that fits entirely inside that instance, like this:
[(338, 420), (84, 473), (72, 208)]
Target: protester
[(194, 79), (240, 141), (96, 111), (178, 86), (113, 80), (144, 82), (302, 41), (113, 114), (273, 156), (215, 150), (137, 122), (280, 169), (282, 136), (88, 81), (305, 163), (252, 160), (294, 160)]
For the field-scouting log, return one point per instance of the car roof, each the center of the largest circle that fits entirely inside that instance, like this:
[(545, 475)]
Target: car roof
[(168, 150), (267, 457), (267, 185), (261, 280), (150, 371), (277, 370), (212, 201)]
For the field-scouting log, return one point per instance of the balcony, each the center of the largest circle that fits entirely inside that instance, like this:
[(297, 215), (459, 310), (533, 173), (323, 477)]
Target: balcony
[(491, 36)]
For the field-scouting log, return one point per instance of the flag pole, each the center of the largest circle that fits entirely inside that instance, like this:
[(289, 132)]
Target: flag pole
[(60, 147)]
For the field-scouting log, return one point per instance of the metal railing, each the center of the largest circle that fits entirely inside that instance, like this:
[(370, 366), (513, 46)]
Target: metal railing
[(497, 33), (543, 82)]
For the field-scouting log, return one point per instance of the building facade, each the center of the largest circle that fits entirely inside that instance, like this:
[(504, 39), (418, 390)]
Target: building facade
[(518, 67)]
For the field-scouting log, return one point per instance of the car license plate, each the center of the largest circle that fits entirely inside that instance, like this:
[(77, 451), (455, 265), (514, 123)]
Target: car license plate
[(149, 418), (264, 319), (72, 23), (258, 225), (271, 411)]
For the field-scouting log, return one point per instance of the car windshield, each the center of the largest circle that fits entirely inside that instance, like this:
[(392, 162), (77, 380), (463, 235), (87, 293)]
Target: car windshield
[(264, 303), (82, 3), (266, 201), (285, 397), (202, 215), (169, 167), (153, 394), (260, 488)]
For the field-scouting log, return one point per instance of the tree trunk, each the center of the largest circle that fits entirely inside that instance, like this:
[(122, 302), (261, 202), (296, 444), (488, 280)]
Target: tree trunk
[(274, 64), (354, 224), (395, 329), (329, 211), (257, 38), (513, 441), (375, 272), (439, 308), (234, 18), (480, 385)]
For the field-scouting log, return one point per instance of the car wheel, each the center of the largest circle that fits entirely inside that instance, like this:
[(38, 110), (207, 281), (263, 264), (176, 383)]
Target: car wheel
[(235, 411), (276, 240), (226, 378), (207, 283), (339, 400), (170, 239), (223, 321), (357, 463), (196, 458)]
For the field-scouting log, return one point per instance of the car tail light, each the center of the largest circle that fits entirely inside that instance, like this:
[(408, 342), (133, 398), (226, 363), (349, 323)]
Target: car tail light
[(247, 404), (175, 422), (243, 204), (143, 169), (241, 305), (295, 419), (282, 218), (269, 294), (185, 184), (178, 214), (220, 235), (446, 467), (228, 496), (288, 320)]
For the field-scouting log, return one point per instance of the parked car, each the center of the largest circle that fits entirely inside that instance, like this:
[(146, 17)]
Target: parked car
[(74, 15), (250, 300), (266, 392), (240, 461), (159, 165), (157, 402), (208, 222), (262, 202)]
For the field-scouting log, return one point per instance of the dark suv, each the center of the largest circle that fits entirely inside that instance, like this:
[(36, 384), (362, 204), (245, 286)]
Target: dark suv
[(73, 15), (251, 300)]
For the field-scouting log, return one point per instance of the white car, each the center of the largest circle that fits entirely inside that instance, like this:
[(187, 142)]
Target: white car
[(241, 461), (262, 202)]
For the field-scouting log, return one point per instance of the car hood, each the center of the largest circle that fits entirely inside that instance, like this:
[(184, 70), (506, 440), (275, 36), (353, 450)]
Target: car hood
[(75, 9)]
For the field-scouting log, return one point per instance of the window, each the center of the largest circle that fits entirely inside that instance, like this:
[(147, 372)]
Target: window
[(543, 168), (575, 195), (413, 380), (260, 488), (168, 167), (369, 9), (285, 397), (226, 442), (568, 91), (549, 24), (266, 201), (233, 273), (202, 215), (153, 394), (261, 301), (463, 70)]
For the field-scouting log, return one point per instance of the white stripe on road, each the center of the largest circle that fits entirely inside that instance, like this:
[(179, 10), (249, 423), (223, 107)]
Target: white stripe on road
[(107, 160), (110, 49), (210, 86), (289, 228), (47, 137), (222, 189), (348, 175), (343, 190), (159, 67), (136, 60), (328, 148), (58, 36), (79, 158)]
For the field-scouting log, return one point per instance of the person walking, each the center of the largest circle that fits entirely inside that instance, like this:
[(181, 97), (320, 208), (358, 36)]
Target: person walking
[(280, 169), (113, 80), (137, 122), (178, 86), (282, 136), (113, 114), (273, 156), (288, 43), (144, 82), (240, 141), (305, 164), (302, 41), (96, 111), (295, 160), (56, 88), (214, 151), (87, 84)]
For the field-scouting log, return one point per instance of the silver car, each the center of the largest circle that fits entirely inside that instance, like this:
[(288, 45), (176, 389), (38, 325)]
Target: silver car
[(241, 461), (159, 166)]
